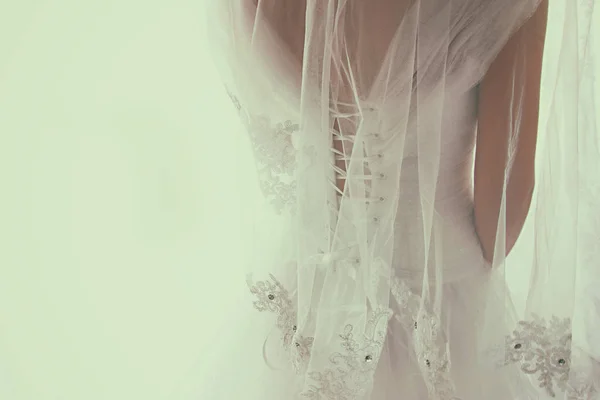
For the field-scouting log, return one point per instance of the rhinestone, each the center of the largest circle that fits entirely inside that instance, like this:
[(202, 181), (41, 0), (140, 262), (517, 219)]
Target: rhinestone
[(294, 328), (518, 346), (382, 198), (562, 361), (297, 344), (428, 363), (271, 297), (369, 358), (416, 325)]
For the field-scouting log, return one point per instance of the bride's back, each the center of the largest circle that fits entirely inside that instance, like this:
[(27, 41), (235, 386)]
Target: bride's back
[(369, 28)]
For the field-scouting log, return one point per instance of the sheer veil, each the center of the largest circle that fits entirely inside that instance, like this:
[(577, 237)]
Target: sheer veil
[(338, 297)]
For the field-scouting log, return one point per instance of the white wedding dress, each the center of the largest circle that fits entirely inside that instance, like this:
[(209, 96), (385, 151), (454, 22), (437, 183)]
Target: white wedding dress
[(380, 291)]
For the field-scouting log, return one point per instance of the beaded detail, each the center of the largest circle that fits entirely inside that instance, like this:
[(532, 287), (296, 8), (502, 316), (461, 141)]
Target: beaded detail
[(272, 296), (428, 341), (352, 370), (542, 348)]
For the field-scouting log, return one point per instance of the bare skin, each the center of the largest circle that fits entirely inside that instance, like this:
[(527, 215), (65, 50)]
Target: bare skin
[(524, 49)]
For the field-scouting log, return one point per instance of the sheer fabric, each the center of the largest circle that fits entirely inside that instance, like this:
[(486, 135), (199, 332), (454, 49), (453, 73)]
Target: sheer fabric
[(365, 270)]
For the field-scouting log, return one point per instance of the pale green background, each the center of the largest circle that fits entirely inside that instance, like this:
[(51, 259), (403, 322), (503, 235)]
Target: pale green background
[(114, 198), (117, 198)]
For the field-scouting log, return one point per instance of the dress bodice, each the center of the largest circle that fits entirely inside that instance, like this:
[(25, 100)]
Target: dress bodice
[(454, 196), (273, 141)]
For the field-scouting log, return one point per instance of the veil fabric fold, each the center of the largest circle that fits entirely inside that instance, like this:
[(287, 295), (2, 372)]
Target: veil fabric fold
[(370, 283)]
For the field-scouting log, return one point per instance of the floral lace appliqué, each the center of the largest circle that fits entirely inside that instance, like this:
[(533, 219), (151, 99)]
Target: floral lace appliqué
[(543, 348), (272, 296), (275, 156), (582, 390), (352, 369), (428, 340)]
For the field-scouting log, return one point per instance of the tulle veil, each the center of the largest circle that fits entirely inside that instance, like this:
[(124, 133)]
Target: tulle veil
[(323, 272)]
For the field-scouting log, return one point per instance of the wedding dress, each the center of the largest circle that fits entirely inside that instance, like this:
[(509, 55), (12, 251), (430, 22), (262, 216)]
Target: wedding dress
[(367, 275)]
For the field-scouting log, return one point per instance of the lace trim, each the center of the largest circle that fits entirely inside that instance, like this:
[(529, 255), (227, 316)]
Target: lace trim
[(428, 341), (543, 348), (272, 296), (352, 371), (583, 391), (275, 157)]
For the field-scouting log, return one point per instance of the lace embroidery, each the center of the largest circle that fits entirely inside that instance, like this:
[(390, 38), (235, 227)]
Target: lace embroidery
[(583, 391), (273, 297), (428, 341), (543, 349), (352, 371), (275, 156)]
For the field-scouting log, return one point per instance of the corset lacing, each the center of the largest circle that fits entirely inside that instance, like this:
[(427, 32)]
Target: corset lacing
[(370, 177)]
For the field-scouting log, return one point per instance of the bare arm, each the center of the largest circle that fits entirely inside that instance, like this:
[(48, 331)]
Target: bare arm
[(526, 49)]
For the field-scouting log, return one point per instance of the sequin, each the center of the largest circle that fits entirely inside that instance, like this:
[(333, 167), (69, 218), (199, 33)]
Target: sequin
[(349, 377), (273, 297), (428, 341), (542, 348)]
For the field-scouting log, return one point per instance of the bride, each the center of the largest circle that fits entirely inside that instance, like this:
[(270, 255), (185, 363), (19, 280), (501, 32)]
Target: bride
[(403, 149)]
